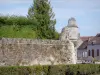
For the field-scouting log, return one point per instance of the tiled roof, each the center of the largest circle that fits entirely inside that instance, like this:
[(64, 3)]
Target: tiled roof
[(83, 45), (89, 40), (95, 40), (84, 38)]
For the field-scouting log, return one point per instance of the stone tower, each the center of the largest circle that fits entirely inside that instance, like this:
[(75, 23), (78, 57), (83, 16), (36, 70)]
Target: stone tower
[(70, 31)]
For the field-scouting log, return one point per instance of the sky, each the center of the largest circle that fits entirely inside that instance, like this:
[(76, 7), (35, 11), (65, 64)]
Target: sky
[(86, 13)]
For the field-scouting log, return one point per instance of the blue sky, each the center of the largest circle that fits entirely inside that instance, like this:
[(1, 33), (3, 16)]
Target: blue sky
[(86, 13)]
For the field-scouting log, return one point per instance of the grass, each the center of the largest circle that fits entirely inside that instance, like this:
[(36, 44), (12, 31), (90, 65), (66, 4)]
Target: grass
[(14, 32)]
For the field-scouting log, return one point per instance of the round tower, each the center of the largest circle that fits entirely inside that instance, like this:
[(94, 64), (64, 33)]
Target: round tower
[(72, 22), (73, 29), (70, 31)]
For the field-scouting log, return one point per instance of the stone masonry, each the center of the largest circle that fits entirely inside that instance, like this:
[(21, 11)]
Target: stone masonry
[(35, 52)]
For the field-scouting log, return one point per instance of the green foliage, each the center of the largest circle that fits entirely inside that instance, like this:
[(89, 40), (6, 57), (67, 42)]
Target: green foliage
[(82, 69), (86, 69), (15, 20), (42, 13), (14, 32), (56, 35)]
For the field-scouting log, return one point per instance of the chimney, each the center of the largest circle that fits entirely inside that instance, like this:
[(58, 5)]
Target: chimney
[(89, 38)]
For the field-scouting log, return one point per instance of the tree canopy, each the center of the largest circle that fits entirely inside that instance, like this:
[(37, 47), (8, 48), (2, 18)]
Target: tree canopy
[(42, 13)]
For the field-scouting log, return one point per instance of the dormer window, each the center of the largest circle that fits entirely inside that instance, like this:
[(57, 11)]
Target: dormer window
[(93, 42), (86, 47), (98, 35)]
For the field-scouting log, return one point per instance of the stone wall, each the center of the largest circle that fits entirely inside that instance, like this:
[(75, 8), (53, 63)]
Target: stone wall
[(34, 52)]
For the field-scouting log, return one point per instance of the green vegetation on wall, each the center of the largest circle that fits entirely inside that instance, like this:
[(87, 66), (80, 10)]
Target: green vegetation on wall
[(13, 31), (15, 20), (82, 69)]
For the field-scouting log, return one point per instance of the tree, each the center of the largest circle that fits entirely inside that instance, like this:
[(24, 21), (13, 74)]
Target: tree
[(41, 12)]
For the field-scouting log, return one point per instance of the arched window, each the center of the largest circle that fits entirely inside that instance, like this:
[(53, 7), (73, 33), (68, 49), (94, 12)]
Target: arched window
[(97, 52), (93, 53), (89, 53)]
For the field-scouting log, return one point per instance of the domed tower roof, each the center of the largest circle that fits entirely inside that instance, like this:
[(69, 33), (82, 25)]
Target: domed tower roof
[(72, 22)]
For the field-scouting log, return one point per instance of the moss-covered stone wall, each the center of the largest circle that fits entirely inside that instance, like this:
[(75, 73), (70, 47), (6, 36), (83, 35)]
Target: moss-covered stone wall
[(35, 52)]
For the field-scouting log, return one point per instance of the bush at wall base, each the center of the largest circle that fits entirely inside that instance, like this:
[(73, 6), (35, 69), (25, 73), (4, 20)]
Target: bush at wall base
[(79, 69)]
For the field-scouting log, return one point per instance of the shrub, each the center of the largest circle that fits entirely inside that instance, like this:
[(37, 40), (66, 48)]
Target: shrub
[(82, 69)]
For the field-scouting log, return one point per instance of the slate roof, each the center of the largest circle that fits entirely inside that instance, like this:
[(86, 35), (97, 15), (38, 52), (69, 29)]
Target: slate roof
[(98, 35)]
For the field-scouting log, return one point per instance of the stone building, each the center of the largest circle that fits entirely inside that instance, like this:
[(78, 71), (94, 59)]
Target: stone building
[(87, 47), (70, 32), (89, 50)]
